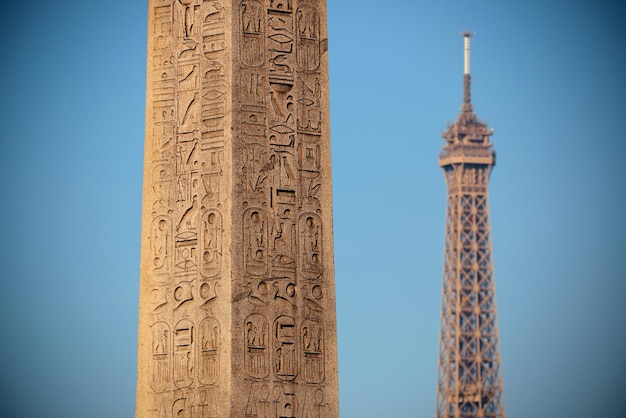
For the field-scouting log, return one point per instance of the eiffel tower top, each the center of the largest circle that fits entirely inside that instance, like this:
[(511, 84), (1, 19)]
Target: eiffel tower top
[(467, 139)]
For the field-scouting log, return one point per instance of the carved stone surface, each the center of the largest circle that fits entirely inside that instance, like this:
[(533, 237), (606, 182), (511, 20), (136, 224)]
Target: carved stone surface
[(237, 298)]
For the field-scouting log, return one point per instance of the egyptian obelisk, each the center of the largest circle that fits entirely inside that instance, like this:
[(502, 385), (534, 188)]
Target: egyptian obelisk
[(237, 293)]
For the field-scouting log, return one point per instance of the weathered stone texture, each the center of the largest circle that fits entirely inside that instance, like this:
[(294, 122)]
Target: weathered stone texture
[(237, 301)]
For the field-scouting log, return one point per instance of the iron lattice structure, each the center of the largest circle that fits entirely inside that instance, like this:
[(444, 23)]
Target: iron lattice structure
[(470, 378)]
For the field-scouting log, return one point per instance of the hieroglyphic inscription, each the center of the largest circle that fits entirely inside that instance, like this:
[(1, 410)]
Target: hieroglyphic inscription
[(255, 241), (162, 180), (161, 357), (211, 244), (186, 246), (214, 95), (257, 346), (283, 243), (280, 5), (209, 351), (312, 334), (239, 229), (308, 32), (213, 28), (281, 137), (285, 355), (185, 144), (260, 402), (202, 404), (310, 231), (208, 296), (284, 400), (184, 340), (252, 31), (161, 239), (255, 171), (211, 175), (313, 405)]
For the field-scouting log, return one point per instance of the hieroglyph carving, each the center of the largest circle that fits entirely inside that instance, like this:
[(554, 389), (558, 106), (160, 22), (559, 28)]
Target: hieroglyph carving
[(189, 107), (309, 110), (257, 346), (281, 137), (310, 230), (211, 243), (312, 334), (214, 97), (161, 240), (211, 175), (308, 32), (174, 354), (261, 402), (185, 146), (209, 351), (196, 405), (313, 405), (284, 400), (235, 186), (184, 364), (283, 244), (256, 241), (285, 352), (161, 357), (252, 32)]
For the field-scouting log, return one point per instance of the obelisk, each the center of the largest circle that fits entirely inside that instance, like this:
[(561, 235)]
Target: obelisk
[(237, 294)]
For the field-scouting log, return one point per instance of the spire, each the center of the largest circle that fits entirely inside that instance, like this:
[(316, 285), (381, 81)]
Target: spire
[(467, 77), (467, 129)]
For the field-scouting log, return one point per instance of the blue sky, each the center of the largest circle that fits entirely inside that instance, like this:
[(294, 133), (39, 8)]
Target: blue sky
[(547, 76)]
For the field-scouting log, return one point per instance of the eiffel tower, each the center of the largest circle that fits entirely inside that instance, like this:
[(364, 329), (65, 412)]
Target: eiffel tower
[(469, 375)]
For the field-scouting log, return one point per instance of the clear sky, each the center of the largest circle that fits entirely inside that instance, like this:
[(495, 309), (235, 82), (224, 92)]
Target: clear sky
[(548, 76)]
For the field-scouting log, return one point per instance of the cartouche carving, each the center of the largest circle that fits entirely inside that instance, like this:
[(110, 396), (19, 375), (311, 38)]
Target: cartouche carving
[(160, 377), (186, 252), (161, 240), (312, 334), (256, 241), (310, 230), (257, 332), (285, 352), (308, 31), (162, 184), (184, 365), (209, 351), (211, 243), (254, 172), (252, 31)]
